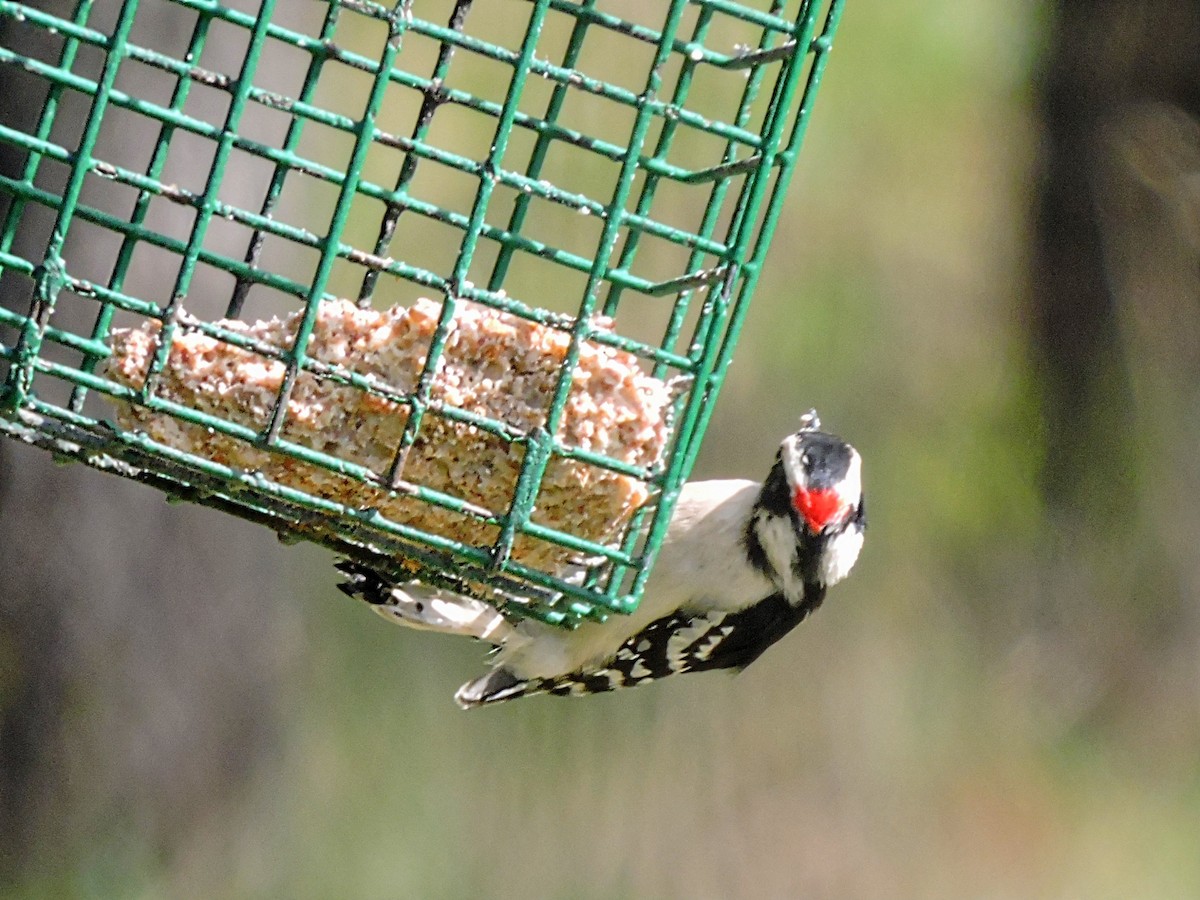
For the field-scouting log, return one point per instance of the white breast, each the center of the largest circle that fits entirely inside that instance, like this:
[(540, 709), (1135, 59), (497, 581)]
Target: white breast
[(702, 565)]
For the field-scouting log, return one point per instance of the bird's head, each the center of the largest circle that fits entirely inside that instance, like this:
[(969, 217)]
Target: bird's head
[(824, 477)]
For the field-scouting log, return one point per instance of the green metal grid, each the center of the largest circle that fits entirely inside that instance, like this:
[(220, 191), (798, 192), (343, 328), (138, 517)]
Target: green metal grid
[(671, 129)]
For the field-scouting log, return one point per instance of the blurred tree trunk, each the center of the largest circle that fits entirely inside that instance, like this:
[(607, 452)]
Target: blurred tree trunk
[(1116, 326), (140, 644), (1120, 102)]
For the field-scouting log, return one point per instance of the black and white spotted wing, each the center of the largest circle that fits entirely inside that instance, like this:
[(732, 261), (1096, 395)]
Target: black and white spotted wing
[(691, 642)]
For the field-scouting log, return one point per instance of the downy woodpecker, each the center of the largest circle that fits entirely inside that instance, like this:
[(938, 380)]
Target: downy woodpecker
[(742, 564)]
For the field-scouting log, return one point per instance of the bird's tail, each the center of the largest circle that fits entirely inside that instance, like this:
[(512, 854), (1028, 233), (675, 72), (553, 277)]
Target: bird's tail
[(425, 607)]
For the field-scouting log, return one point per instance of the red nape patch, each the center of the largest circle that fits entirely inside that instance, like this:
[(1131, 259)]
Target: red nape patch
[(817, 507)]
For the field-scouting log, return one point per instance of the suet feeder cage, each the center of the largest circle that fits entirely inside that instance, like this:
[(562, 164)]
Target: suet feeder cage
[(602, 177)]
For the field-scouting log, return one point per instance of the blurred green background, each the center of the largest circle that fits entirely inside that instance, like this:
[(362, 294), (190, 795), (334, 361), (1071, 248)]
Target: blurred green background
[(986, 279)]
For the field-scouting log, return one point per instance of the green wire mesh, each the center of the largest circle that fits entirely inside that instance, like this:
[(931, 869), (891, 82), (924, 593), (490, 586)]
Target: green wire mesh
[(556, 160)]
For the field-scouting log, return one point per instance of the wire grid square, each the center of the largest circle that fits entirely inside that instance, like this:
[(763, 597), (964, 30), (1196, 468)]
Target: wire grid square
[(554, 159)]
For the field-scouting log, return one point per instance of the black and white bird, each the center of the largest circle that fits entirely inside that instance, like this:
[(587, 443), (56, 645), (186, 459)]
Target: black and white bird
[(742, 564)]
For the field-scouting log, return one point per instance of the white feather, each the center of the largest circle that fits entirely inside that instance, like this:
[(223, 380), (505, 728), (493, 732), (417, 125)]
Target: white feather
[(840, 555), (702, 560)]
